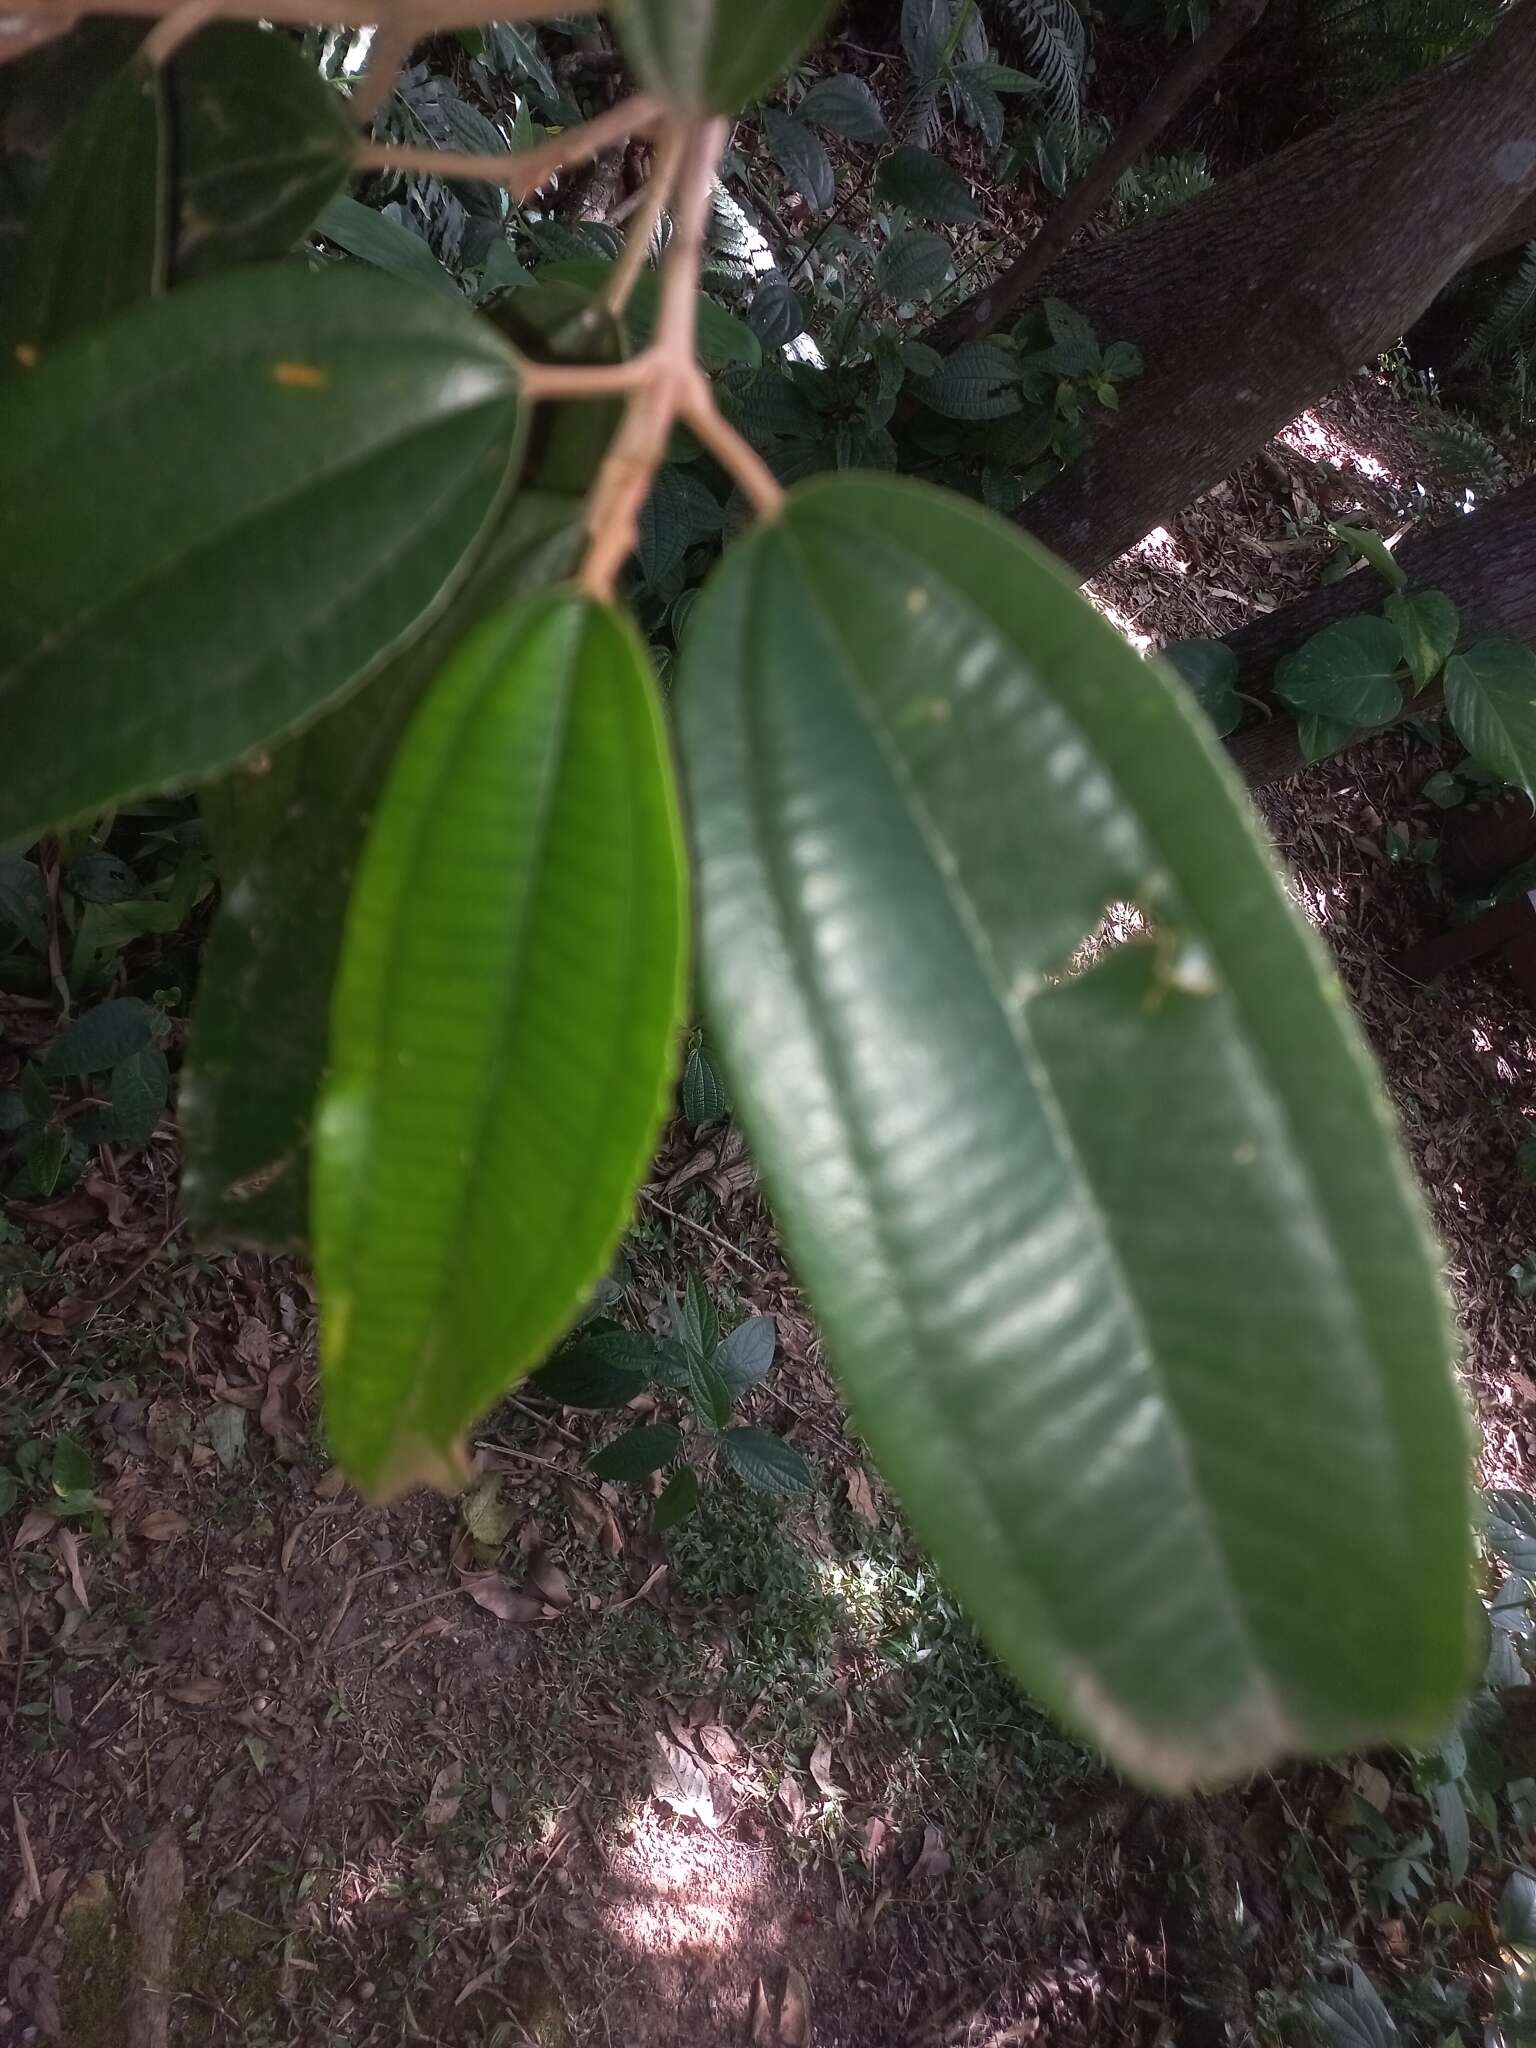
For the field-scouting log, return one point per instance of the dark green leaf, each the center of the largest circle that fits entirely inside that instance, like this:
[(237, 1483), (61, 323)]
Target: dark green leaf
[(845, 106), (1352, 2015), (110, 1032), (101, 878), (1365, 542), (713, 56), (924, 185), (977, 103), (97, 241), (1525, 1160), (137, 575), (374, 238), (911, 263), (766, 1461), (711, 1396), (33, 1090), (775, 316), (1122, 362), (801, 156), (1451, 1813), (23, 899), (639, 1454), (45, 1158), (140, 1085), (723, 339), (262, 143), (980, 381), (1346, 673), (14, 1113), (561, 322), (1517, 1913), (694, 1321), (1490, 693), (1209, 667), (503, 1030), (680, 511), (1427, 624), (746, 1356), (71, 1470), (1318, 738), (260, 1025), (679, 1498), (704, 1096), (594, 1372), (1445, 790), (1124, 1248)]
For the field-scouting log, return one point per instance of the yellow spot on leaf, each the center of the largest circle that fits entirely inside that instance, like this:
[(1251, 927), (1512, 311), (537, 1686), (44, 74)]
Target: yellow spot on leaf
[(26, 355), (917, 601), (300, 376)]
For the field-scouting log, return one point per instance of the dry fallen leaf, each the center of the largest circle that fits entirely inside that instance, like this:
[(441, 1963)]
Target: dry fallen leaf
[(861, 1495), (330, 1484), (162, 1525), (933, 1858), (445, 1798), (253, 1346), (718, 1743), (1373, 1785), (821, 1771), (195, 1692), (549, 1580), (795, 2011), (36, 1523), (68, 1544), (686, 1785), (872, 1839), (791, 1797), (760, 2025), (491, 1591)]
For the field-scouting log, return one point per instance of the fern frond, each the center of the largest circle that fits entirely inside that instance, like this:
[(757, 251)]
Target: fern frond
[(1511, 326), (1359, 48), (1460, 451), (1055, 51)]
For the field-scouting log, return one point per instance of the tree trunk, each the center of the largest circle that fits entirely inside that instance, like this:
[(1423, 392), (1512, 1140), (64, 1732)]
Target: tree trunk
[(1328, 259), (1485, 563)]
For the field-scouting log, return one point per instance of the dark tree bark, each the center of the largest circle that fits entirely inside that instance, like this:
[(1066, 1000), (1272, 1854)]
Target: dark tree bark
[(1485, 563), (1314, 262)]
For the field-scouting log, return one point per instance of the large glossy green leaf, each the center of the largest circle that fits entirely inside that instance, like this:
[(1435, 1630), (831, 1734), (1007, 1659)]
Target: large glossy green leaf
[(713, 56), (222, 511), (504, 1030), (1346, 673), (262, 142), (1115, 1251), (1427, 624), (97, 240), (1490, 693), (287, 836)]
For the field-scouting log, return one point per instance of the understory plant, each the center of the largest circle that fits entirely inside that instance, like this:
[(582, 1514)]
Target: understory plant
[(1112, 1245)]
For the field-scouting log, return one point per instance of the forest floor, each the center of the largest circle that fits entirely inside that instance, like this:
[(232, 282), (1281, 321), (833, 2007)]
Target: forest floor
[(539, 1776)]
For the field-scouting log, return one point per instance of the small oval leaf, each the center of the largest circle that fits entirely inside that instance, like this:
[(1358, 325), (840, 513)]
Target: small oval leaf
[(925, 186), (503, 1034), (1118, 1258), (766, 1461), (337, 438)]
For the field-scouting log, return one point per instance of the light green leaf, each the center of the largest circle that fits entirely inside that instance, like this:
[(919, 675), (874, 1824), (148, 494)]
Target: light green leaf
[(1427, 624), (1346, 673), (503, 1033), (638, 1454), (765, 1461), (365, 438), (924, 185), (97, 240), (372, 237), (713, 56), (1209, 667), (1120, 1263), (1365, 542), (679, 1498), (911, 263), (262, 142), (802, 158), (262, 1016), (844, 105), (1490, 693), (694, 1322)]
